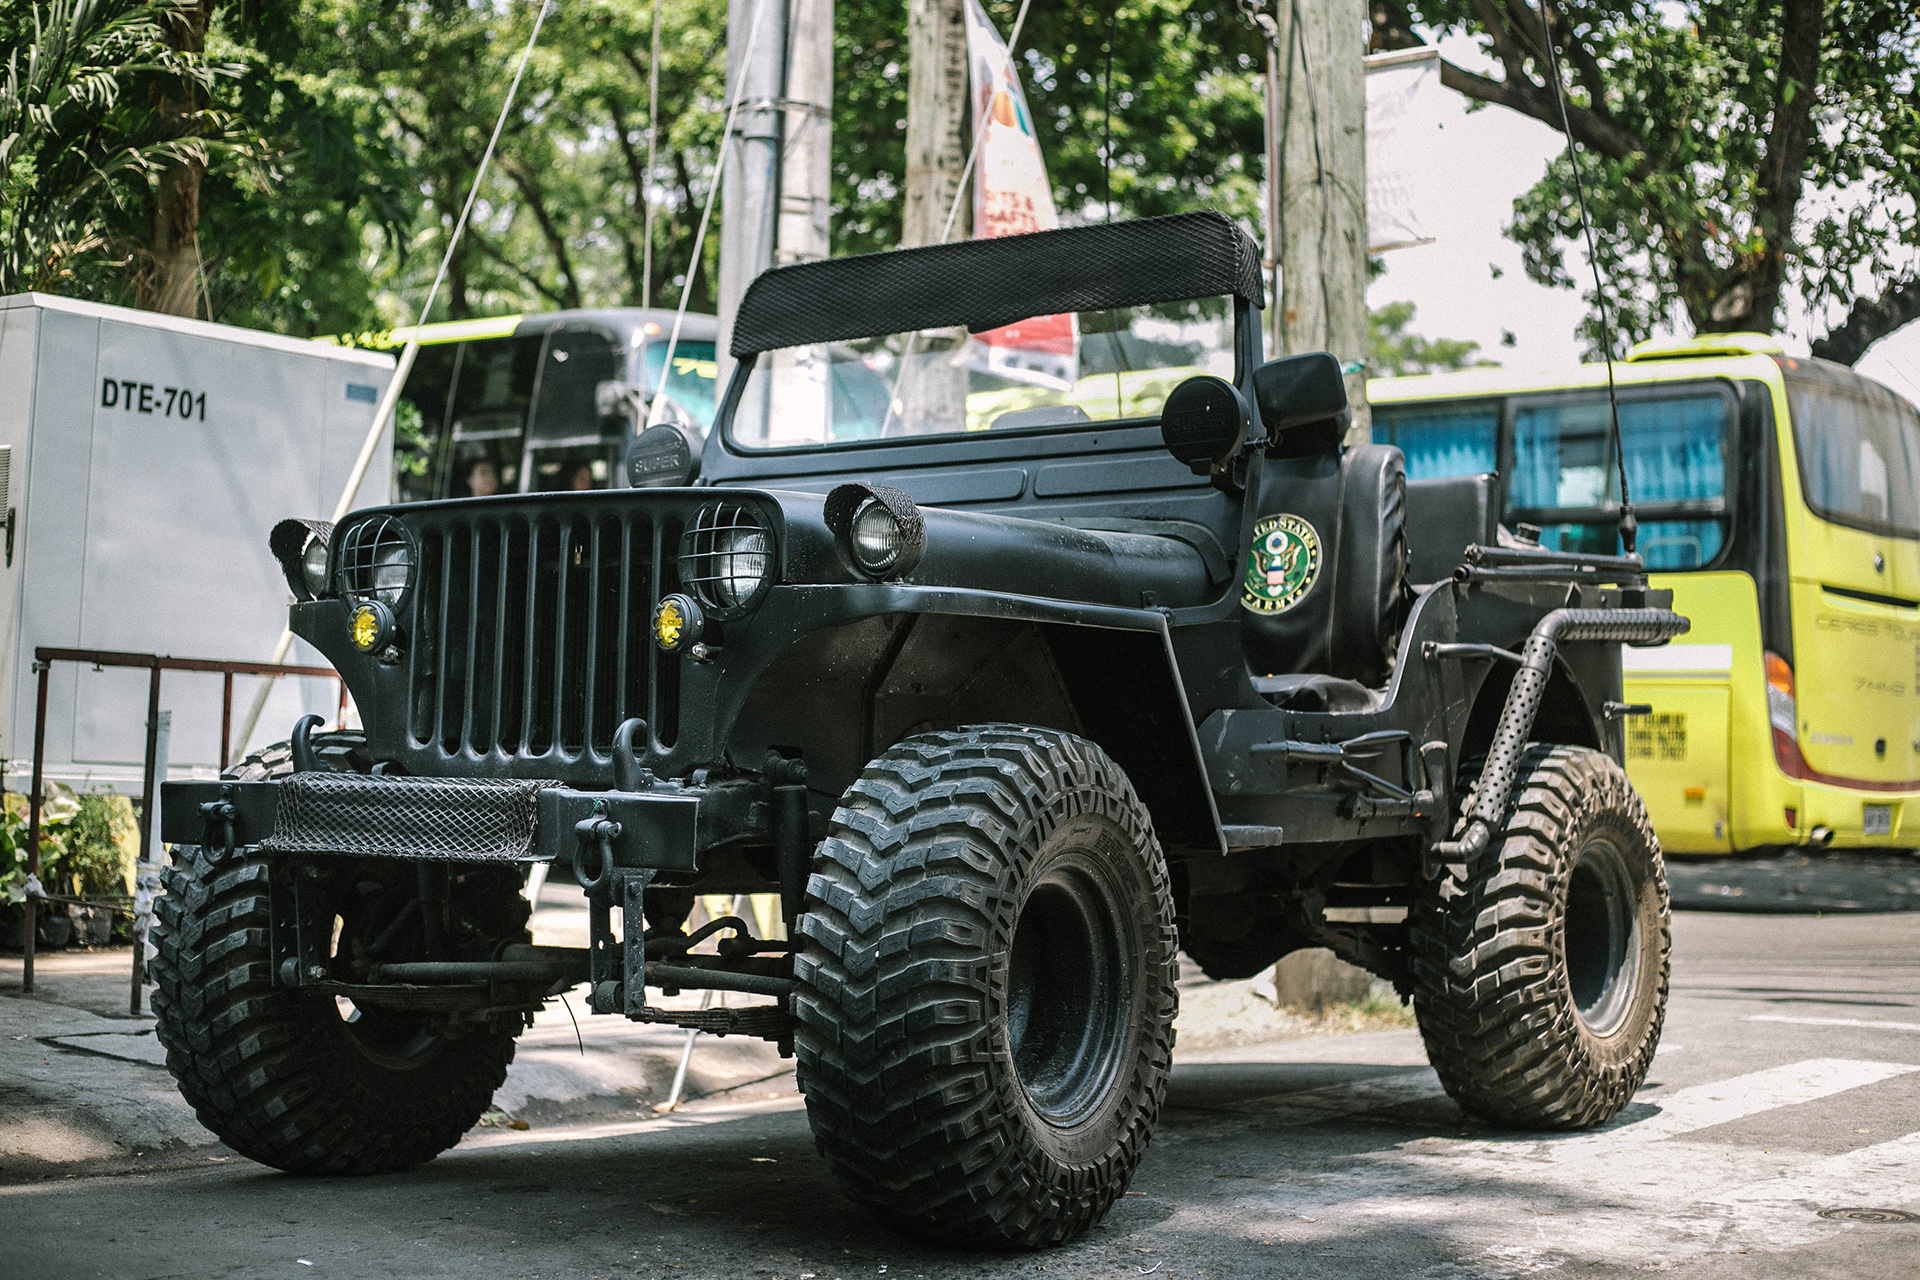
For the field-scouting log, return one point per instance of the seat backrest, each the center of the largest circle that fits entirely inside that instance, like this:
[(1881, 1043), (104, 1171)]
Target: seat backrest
[(1444, 518), (1324, 575)]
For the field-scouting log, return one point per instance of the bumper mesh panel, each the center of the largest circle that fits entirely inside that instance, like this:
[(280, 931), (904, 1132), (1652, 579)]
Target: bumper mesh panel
[(455, 819)]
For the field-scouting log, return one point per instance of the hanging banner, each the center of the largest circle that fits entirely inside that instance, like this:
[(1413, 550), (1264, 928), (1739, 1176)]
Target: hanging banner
[(1401, 133), (1011, 196)]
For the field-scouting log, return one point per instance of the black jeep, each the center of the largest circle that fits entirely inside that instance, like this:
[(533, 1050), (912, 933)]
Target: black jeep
[(1023, 630)]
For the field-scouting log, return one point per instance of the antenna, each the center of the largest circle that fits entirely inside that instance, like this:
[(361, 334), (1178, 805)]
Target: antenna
[(1629, 527)]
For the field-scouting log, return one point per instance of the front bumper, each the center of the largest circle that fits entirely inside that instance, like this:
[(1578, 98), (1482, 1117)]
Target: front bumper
[(657, 829)]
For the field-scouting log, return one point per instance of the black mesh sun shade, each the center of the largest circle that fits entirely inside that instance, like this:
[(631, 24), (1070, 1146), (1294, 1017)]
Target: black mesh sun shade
[(986, 283)]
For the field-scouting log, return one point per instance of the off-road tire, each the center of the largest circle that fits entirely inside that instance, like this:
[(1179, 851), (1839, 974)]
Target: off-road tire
[(950, 1121), (274, 1072), (1508, 955)]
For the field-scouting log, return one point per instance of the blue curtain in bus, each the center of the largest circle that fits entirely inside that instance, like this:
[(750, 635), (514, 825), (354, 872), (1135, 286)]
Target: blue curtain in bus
[(1439, 445), (1675, 448), (1675, 452)]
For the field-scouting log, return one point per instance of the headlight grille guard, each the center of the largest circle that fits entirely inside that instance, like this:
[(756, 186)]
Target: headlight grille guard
[(710, 553), (362, 550)]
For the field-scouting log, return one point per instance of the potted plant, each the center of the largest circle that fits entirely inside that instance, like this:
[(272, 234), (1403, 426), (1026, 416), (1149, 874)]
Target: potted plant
[(58, 809)]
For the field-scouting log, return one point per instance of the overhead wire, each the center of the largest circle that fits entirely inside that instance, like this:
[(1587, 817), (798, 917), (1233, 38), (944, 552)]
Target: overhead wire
[(725, 148), (1629, 526)]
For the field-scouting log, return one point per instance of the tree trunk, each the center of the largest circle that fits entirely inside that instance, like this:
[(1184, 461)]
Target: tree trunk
[(1752, 301), (173, 285)]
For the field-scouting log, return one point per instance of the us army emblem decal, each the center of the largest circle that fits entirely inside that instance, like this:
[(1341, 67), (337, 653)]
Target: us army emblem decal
[(1282, 565)]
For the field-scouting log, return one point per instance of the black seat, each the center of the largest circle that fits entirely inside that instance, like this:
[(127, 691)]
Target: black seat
[(1345, 624), (1444, 518)]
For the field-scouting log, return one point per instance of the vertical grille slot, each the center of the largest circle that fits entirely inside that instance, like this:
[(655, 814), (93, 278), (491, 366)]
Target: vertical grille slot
[(532, 636), (455, 684), (543, 623)]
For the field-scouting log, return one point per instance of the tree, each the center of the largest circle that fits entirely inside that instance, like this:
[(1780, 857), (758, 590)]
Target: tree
[(1397, 353), (77, 142), (1735, 151)]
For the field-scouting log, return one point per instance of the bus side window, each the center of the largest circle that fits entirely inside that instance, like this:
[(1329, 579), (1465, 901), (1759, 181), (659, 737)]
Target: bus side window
[(1676, 467), (420, 421), (1442, 441), (492, 394)]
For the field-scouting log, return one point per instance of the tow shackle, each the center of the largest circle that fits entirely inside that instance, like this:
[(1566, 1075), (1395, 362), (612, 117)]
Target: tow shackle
[(596, 834)]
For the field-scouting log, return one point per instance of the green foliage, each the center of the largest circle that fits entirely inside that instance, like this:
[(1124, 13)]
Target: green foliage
[(1396, 353), (88, 843), (103, 842), (1187, 131), (59, 807), (79, 138), (371, 118)]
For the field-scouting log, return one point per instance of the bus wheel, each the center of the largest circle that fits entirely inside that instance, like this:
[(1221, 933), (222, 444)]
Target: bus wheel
[(1541, 972)]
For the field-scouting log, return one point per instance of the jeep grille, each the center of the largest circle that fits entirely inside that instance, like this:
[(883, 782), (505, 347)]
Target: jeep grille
[(531, 633)]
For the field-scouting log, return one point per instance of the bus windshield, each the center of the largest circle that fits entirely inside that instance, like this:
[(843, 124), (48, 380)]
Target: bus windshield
[(1045, 371), (693, 385), (1561, 473), (1859, 447)]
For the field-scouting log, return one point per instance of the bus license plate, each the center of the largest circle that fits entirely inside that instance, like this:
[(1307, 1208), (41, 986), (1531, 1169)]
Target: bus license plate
[(1877, 820)]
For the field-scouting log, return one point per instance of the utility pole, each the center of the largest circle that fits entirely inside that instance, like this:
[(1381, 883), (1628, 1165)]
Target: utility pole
[(1322, 185), (806, 167), (931, 395), (750, 177), (801, 380), (936, 119)]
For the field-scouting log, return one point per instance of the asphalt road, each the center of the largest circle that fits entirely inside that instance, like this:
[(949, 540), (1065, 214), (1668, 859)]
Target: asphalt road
[(1788, 1084)]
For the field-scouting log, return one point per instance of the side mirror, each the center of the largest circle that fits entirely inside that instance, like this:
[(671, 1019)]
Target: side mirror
[(1301, 391), (1204, 422)]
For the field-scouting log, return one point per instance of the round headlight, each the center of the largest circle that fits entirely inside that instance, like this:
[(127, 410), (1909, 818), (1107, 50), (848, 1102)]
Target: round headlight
[(313, 565), (876, 538), (376, 561), (739, 565), (726, 557)]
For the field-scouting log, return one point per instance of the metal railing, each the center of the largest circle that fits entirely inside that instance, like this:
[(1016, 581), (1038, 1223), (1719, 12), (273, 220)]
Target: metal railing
[(43, 660)]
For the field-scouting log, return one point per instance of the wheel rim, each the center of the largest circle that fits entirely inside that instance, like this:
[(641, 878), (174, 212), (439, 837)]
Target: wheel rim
[(1602, 937), (1068, 992)]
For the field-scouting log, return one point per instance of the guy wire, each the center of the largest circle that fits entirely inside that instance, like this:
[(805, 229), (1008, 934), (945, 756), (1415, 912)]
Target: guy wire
[(1629, 526)]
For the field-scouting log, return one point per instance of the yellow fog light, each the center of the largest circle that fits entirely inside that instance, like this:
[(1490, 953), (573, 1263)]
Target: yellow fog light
[(677, 623), (370, 626)]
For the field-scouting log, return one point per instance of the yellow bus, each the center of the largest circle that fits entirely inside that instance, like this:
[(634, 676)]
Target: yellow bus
[(1780, 498)]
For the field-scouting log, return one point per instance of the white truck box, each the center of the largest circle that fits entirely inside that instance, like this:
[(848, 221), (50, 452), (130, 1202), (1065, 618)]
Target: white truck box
[(147, 458)]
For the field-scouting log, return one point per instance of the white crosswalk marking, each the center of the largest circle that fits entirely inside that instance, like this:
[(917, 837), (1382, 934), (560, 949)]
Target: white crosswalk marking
[(1836, 1022), (1706, 1105)]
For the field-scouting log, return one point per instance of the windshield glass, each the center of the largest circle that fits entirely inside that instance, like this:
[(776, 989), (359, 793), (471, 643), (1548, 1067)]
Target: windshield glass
[(1859, 448), (1057, 371)]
